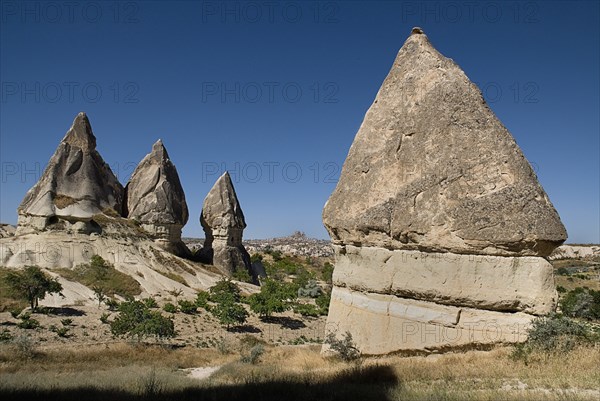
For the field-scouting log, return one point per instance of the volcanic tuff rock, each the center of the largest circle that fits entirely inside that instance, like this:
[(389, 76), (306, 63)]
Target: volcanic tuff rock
[(438, 222), (76, 185), (223, 222), (6, 230), (432, 168), (155, 199)]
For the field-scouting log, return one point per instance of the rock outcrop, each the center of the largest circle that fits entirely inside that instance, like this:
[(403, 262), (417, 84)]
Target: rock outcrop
[(76, 186), (439, 225), (223, 222), (6, 230), (156, 201)]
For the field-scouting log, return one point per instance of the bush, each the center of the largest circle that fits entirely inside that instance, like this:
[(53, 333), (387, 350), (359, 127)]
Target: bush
[(5, 336), (27, 322), (323, 302), (136, 320), (327, 273), (273, 297), (25, 347), (112, 304), (307, 310), (345, 347), (104, 318), (150, 302), (556, 333), (243, 275), (169, 307), (223, 289), (562, 271), (311, 289), (63, 332), (254, 356), (32, 285), (582, 303), (188, 307), (66, 322), (202, 300)]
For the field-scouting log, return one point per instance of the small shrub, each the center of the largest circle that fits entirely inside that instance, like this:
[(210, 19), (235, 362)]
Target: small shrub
[(582, 303), (242, 275), (327, 273), (561, 289), (63, 332), (66, 322), (150, 302), (345, 347), (310, 290), (24, 346), (15, 313), (554, 334), (323, 302), (169, 307), (5, 336), (136, 320), (188, 307), (253, 357), (307, 310), (202, 299), (104, 318), (562, 271), (27, 322), (112, 304)]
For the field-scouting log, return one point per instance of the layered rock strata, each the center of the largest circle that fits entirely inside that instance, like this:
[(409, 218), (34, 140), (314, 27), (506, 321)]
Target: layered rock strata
[(439, 225)]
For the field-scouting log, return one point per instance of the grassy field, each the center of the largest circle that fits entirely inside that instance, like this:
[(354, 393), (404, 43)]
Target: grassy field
[(136, 371)]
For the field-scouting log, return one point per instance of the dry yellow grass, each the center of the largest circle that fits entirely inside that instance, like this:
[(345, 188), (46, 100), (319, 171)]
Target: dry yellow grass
[(123, 371)]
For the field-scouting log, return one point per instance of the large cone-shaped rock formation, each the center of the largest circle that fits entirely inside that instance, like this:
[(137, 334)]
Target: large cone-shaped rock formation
[(76, 185), (223, 222), (438, 221), (155, 199)]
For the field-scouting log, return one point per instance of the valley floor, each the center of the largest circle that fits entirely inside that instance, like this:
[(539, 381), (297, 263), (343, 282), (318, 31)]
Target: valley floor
[(137, 371)]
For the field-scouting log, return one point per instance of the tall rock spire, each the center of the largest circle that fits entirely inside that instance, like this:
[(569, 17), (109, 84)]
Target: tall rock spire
[(155, 198), (438, 221), (432, 168), (76, 185), (223, 222)]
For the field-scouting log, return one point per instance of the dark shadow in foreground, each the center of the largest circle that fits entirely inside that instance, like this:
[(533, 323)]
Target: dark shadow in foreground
[(358, 383)]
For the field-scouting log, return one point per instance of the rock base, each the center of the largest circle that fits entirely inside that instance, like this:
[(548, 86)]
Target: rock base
[(397, 300)]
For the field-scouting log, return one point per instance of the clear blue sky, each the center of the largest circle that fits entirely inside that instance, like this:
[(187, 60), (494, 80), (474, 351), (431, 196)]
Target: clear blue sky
[(275, 92)]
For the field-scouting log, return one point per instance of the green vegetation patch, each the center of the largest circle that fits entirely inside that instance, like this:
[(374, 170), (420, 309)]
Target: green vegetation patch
[(102, 275)]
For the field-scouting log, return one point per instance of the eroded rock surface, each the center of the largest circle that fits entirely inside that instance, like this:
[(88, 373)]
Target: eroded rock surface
[(76, 185), (223, 222), (432, 168), (439, 225), (155, 199)]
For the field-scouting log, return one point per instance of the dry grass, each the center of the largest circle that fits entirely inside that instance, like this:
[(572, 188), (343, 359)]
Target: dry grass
[(127, 371), (63, 201)]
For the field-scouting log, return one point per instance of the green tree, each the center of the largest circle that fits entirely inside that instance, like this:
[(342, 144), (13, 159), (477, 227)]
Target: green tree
[(274, 297), (229, 312), (32, 284), (136, 320), (223, 289)]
